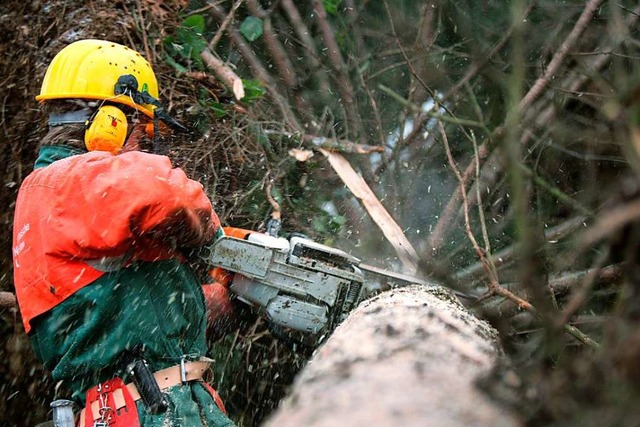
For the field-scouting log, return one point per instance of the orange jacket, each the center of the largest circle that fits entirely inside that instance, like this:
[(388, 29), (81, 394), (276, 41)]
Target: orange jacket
[(79, 214)]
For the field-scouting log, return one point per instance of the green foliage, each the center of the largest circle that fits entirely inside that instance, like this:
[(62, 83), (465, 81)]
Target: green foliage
[(187, 44), (326, 224), (331, 6), (251, 28), (253, 90), (214, 106)]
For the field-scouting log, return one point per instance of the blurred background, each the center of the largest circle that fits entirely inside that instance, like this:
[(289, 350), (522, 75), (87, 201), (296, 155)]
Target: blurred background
[(502, 136)]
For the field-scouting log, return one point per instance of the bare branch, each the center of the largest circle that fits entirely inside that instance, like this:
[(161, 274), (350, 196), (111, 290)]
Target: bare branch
[(506, 255), (280, 58), (275, 213), (583, 21), (329, 144), (494, 284), (580, 293), (223, 26), (342, 79), (228, 77), (261, 72), (540, 115), (304, 34)]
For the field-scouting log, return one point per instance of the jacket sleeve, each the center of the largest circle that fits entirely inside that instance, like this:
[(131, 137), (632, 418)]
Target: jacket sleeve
[(107, 203)]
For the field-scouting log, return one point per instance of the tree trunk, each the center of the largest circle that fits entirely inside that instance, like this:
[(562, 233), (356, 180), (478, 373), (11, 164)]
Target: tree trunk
[(408, 357)]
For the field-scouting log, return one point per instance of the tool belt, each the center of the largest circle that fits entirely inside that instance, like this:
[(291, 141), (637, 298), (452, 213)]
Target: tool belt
[(112, 403)]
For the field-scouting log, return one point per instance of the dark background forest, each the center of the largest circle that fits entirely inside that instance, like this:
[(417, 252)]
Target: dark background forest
[(502, 136)]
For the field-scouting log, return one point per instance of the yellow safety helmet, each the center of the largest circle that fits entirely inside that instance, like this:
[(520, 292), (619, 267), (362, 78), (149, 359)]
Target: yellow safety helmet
[(101, 70)]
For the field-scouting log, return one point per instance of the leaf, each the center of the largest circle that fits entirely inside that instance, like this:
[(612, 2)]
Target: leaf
[(217, 108), (194, 22), (253, 90), (251, 28), (331, 6), (188, 41), (179, 68)]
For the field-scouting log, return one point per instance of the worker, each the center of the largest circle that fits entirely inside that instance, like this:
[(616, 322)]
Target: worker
[(112, 309)]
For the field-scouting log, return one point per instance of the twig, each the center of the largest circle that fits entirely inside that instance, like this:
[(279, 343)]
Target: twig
[(483, 224), (376, 112), (581, 336), (445, 221), (449, 212), (433, 113), (276, 213), (223, 26), (145, 38), (494, 284), (562, 284), (259, 69), (224, 73), (554, 65), (603, 276), (506, 255), (330, 144), (579, 294), (342, 79)]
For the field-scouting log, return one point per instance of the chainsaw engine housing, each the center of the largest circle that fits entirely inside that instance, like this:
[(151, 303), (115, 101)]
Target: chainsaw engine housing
[(303, 288)]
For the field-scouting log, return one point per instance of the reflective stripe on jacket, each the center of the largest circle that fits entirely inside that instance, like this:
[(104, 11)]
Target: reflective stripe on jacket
[(81, 211)]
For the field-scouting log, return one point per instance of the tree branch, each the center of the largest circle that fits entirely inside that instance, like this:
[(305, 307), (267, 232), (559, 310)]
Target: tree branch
[(342, 78), (258, 68)]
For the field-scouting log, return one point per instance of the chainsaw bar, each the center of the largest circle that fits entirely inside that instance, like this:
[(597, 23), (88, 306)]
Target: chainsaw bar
[(392, 275)]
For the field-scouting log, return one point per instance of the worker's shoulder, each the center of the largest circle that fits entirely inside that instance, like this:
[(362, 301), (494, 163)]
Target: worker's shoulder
[(136, 160), (92, 165), (143, 157)]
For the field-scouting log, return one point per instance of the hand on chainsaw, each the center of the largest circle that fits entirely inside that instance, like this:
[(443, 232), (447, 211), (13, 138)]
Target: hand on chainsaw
[(224, 312)]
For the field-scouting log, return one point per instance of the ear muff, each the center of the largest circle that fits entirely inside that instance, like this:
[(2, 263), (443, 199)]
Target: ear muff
[(106, 130)]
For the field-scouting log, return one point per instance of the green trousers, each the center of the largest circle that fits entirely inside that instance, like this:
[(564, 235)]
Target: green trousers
[(190, 405), (150, 310)]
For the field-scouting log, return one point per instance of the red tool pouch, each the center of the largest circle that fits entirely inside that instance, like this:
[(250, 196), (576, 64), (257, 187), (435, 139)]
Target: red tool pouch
[(110, 404)]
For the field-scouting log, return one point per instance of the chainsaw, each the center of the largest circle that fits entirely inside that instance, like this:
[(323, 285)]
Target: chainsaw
[(303, 289)]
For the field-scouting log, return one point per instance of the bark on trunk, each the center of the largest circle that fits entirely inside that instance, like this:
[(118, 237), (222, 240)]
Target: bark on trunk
[(408, 357)]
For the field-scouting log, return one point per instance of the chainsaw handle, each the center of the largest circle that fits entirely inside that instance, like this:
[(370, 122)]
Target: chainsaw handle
[(238, 233)]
